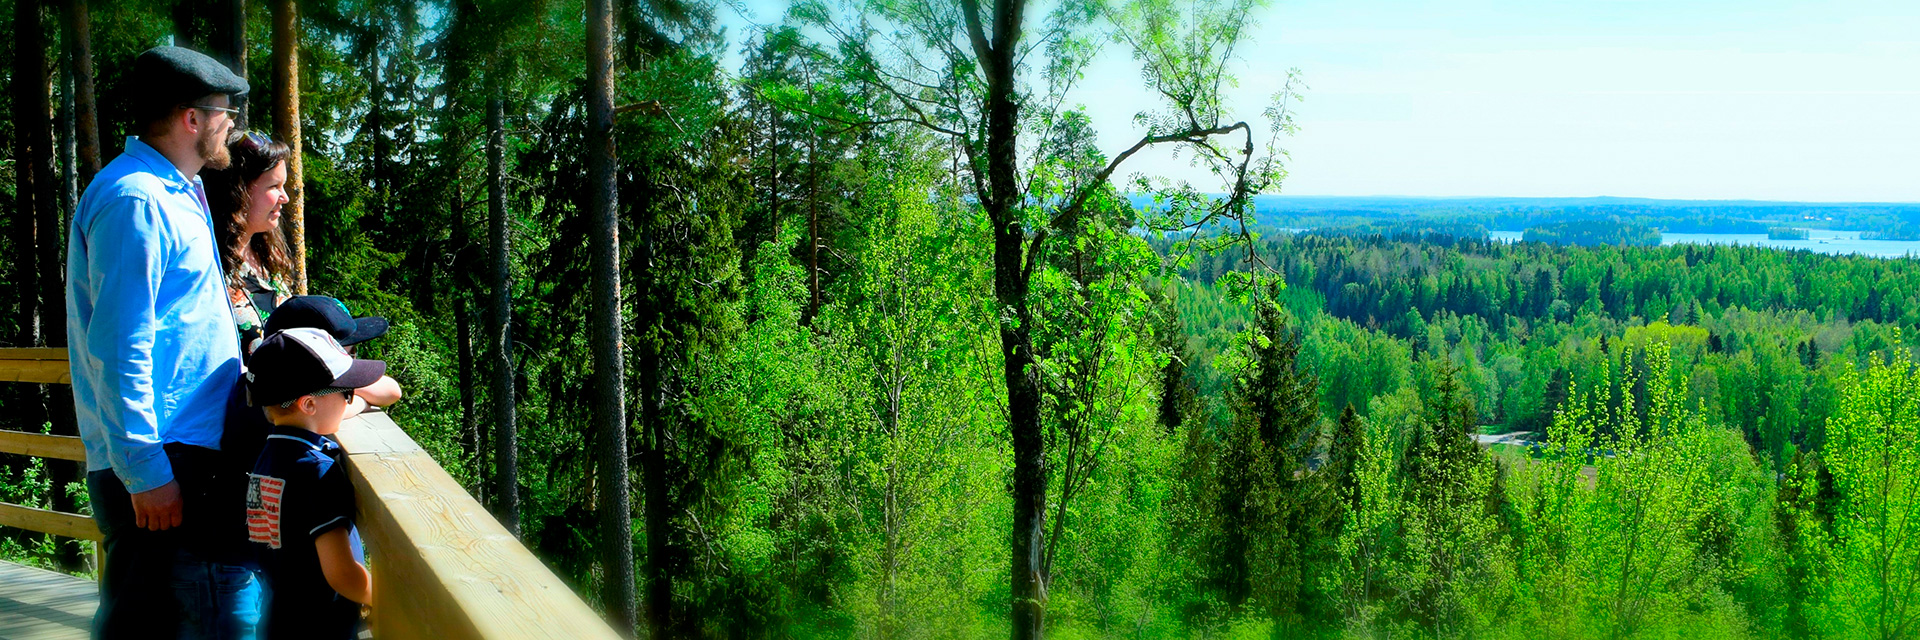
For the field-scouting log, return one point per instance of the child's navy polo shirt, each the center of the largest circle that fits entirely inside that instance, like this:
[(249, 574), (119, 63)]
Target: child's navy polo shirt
[(297, 491)]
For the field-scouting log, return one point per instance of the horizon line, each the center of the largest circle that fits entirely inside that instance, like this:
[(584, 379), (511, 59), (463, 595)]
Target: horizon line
[(1599, 197)]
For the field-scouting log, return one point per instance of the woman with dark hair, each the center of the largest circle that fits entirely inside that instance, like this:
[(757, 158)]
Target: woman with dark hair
[(245, 199)]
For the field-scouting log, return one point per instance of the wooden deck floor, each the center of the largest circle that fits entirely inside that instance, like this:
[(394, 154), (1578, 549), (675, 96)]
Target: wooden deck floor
[(37, 604)]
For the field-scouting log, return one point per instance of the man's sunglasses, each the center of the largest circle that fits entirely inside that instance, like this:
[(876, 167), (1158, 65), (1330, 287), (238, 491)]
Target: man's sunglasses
[(208, 107)]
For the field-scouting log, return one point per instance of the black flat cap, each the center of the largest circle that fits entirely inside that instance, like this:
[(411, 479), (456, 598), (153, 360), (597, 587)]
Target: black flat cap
[(177, 75)]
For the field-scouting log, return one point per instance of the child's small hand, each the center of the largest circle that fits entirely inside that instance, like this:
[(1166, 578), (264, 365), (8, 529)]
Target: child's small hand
[(366, 609)]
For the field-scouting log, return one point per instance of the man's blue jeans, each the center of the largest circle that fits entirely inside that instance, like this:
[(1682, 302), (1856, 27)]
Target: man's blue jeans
[(217, 601), (158, 580)]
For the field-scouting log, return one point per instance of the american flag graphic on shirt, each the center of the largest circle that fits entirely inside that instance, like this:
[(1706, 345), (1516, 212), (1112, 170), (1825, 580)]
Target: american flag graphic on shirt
[(263, 509)]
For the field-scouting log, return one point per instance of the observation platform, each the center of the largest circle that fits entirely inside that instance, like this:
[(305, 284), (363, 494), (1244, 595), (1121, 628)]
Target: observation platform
[(443, 568), (37, 604)]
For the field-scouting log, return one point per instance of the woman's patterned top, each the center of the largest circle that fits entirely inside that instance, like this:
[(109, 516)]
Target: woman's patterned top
[(254, 297)]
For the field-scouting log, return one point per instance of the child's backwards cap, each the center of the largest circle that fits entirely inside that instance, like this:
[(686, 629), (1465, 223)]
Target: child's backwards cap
[(305, 361), (326, 314)]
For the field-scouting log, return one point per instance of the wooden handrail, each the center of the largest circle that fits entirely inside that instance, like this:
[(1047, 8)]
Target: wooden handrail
[(442, 566), (42, 446), (45, 366), (57, 523)]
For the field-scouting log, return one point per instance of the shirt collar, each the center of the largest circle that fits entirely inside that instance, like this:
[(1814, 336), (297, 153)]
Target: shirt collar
[(316, 440), (158, 164)]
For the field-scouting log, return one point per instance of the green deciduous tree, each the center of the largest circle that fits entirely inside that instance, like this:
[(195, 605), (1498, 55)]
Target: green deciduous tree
[(962, 71), (1874, 455)]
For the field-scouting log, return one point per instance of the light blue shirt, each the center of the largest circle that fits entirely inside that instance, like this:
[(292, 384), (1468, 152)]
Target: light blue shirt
[(150, 335)]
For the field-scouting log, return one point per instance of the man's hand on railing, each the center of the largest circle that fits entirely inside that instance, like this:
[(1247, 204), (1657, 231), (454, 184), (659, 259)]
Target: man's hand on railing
[(159, 508)]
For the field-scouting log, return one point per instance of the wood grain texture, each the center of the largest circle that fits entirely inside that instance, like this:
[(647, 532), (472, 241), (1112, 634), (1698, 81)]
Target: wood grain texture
[(40, 371), (34, 354), (442, 566), (42, 446), (45, 366), (374, 432), (44, 521)]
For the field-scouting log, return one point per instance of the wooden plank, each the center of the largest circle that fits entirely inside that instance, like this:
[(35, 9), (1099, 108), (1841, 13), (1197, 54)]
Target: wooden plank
[(42, 446), (36, 603), (34, 354), (44, 521), (443, 567), (41, 371), (374, 432)]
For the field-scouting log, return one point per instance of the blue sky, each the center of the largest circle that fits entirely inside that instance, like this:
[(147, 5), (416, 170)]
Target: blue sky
[(1754, 99)]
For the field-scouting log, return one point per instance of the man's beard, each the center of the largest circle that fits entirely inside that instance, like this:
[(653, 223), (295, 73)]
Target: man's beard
[(213, 148)]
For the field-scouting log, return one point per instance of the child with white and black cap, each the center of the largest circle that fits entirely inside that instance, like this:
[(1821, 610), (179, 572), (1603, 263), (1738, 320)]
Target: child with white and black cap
[(299, 502)]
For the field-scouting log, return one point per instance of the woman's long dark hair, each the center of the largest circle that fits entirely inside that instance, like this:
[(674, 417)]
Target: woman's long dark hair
[(229, 191)]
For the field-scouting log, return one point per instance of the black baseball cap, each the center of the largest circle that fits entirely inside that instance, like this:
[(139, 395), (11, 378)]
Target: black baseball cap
[(178, 75), (304, 361), (325, 314)]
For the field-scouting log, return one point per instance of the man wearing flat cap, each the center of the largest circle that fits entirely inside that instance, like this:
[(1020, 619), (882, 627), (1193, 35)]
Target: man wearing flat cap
[(155, 357)]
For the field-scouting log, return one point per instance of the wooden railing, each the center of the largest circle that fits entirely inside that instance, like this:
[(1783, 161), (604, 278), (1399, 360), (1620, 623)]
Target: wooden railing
[(442, 566), (45, 366)]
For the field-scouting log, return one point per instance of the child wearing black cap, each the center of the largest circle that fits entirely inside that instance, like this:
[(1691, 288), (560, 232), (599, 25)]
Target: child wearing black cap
[(299, 502), (246, 430), (331, 315)]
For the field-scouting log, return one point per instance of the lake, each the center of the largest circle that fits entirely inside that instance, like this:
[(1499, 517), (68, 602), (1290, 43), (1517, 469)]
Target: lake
[(1818, 240)]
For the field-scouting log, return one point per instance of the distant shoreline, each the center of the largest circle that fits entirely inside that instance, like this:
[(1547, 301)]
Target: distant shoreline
[(1576, 200)]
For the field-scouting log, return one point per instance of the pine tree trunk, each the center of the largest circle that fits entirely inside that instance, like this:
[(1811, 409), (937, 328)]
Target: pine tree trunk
[(29, 85), (48, 231), (43, 307), (506, 468), (53, 301), (65, 155), (459, 73), (227, 43), (286, 127), (186, 24), (30, 112), (233, 35), (462, 320), (77, 28), (659, 501), (609, 370), (469, 422)]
